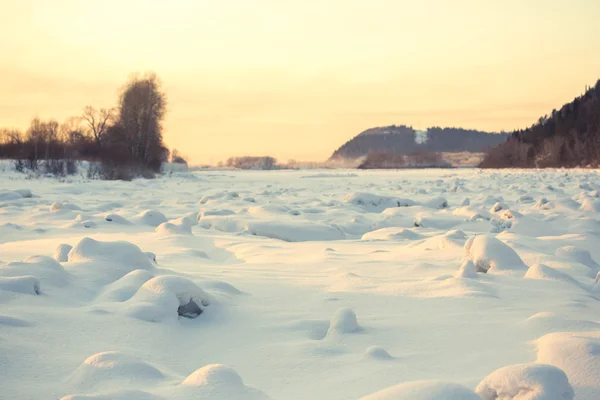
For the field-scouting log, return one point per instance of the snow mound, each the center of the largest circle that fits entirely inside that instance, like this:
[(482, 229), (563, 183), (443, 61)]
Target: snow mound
[(26, 193), (344, 321), (167, 228), (580, 255), (186, 220), (5, 320), (151, 218), (300, 231), (20, 284), (526, 382), (116, 219), (546, 322), (168, 296), (214, 374), (212, 213), (61, 253), (392, 234), (216, 381), (120, 395), (448, 240), (424, 390), (590, 205), (63, 205), (375, 203), (577, 354), (81, 221), (438, 202), (108, 261), (113, 369), (467, 270), (544, 272), (46, 269), (124, 288), (498, 206), (89, 249), (377, 353), (444, 222), (492, 255), (7, 195)]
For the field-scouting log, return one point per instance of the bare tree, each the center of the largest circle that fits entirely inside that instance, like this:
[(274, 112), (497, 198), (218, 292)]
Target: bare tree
[(98, 122), (142, 107), (13, 136)]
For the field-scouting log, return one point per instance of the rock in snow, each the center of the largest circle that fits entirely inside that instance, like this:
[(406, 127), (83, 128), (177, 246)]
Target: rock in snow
[(168, 297)]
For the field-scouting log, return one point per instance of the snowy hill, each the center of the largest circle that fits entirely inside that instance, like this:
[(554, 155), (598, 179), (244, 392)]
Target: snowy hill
[(404, 140)]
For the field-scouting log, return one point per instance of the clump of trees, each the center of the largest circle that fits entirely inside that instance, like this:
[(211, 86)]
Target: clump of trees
[(569, 137), (248, 162), (383, 160), (125, 141)]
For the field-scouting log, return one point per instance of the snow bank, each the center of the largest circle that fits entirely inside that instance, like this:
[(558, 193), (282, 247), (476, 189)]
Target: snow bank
[(492, 255), (526, 382), (168, 296), (424, 390)]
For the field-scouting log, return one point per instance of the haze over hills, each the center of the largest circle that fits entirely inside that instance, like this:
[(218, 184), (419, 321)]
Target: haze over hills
[(405, 140)]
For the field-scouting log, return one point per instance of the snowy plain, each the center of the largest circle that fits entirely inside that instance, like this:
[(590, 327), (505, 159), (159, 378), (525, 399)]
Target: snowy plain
[(412, 284)]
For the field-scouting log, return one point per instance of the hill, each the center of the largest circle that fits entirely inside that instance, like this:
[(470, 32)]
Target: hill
[(404, 140), (569, 137)]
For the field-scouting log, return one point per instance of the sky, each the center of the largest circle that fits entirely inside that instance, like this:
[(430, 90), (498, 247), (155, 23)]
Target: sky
[(297, 79)]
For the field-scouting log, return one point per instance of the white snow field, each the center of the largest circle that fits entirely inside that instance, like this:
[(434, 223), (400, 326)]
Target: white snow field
[(425, 284)]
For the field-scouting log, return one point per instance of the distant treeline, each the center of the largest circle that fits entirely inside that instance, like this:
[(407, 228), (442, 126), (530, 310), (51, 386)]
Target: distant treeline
[(569, 137), (383, 160), (126, 140)]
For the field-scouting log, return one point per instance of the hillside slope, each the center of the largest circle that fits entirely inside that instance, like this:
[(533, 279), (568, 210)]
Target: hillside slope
[(569, 137), (404, 140)]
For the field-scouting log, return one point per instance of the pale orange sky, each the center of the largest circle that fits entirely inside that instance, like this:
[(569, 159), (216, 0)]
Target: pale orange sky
[(296, 79)]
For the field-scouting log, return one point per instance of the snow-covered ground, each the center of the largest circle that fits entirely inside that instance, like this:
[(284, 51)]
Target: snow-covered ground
[(426, 284)]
